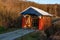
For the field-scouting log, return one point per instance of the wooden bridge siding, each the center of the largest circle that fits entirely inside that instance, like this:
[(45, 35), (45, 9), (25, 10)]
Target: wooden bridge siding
[(44, 22), (24, 20)]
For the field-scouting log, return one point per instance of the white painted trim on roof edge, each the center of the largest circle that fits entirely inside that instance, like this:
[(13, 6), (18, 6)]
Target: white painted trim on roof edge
[(38, 10)]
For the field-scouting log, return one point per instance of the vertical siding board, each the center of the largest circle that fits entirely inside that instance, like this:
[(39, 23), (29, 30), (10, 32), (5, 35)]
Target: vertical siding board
[(41, 23), (23, 22)]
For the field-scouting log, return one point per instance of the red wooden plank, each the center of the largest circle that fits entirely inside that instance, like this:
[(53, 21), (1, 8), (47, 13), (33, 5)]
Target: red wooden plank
[(41, 24)]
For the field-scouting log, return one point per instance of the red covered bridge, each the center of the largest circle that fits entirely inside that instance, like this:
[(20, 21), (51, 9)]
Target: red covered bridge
[(34, 17)]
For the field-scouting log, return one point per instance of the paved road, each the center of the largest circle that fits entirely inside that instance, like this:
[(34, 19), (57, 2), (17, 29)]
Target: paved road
[(15, 34), (56, 20)]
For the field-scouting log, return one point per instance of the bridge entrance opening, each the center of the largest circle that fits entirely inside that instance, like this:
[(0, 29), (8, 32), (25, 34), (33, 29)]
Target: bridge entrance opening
[(35, 21)]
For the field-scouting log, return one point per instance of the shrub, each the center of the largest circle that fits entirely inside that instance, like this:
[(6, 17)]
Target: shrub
[(2, 29)]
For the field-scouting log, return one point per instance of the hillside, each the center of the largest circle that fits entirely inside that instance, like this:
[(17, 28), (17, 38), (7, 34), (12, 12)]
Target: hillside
[(10, 9)]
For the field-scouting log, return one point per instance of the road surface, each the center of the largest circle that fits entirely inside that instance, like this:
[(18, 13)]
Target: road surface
[(15, 34)]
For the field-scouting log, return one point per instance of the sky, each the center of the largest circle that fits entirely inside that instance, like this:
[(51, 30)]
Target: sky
[(46, 1)]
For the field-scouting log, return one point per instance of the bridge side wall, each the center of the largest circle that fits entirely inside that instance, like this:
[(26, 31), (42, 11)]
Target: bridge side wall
[(44, 22)]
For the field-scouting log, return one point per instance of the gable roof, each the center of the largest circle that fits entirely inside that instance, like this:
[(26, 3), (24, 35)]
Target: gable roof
[(40, 12)]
